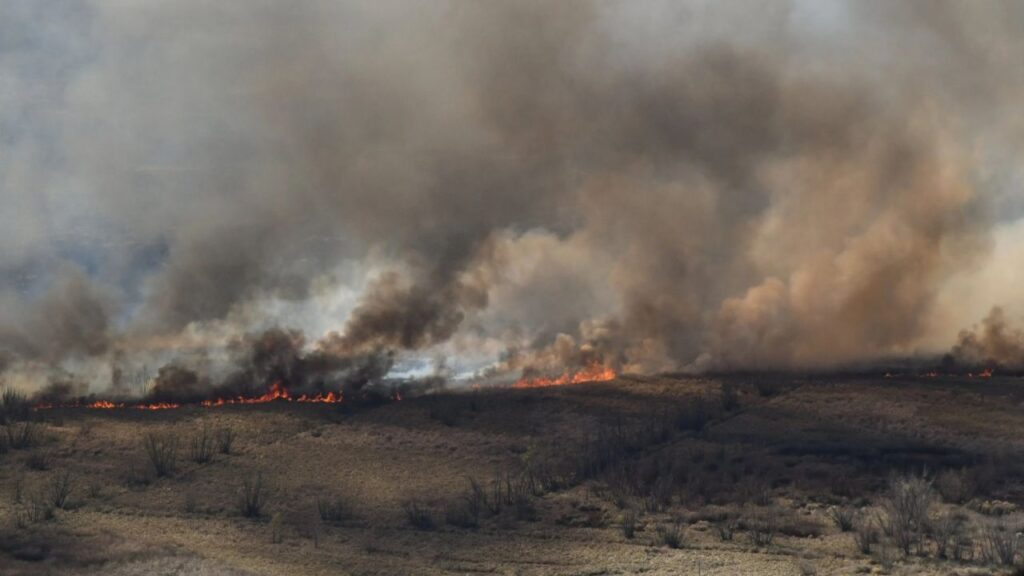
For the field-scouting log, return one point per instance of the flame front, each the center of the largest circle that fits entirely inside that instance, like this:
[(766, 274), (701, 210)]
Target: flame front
[(592, 373)]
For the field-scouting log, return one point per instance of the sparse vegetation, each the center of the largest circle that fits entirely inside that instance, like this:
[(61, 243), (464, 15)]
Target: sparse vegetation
[(162, 451)]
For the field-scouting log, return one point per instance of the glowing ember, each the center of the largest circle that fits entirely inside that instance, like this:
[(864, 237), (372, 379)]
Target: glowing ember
[(986, 373), (592, 373)]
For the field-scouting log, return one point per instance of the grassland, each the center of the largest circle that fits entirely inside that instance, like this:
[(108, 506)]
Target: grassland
[(666, 475)]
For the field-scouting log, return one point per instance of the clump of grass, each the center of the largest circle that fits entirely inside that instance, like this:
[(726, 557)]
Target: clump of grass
[(418, 515), (671, 534), (843, 517), (162, 451), (201, 447), (252, 496)]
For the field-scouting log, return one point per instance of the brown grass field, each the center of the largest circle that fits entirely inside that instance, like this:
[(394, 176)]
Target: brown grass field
[(666, 475)]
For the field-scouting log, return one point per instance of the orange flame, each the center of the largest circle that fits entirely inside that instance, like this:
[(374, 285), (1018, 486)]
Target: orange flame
[(592, 373), (986, 373), (277, 392)]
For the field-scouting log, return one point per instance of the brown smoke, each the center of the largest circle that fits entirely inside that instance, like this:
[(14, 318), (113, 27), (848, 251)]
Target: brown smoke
[(648, 186), (993, 343)]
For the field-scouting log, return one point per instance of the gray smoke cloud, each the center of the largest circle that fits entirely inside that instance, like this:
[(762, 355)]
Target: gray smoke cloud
[(522, 186)]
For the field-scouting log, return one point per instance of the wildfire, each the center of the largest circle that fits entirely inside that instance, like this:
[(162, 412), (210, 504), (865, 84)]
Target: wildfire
[(277, 392), (592, 373)]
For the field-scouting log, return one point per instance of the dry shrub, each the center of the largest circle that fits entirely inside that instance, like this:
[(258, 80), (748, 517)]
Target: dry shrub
[(14, 406), (162, 451), (906, 508), (671, 534), (956, 486), (865, 534), (59, 489), (332, 509), (418, 515), (948, 532), (999, 544), (761, 525), (843, 517), (225, 440), (201, 446), (629, 522), (252, 496), (462, 514), (21, 435)]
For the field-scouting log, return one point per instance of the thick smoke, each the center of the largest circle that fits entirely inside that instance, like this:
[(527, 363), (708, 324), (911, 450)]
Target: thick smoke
[(994, 342), (315, 192)]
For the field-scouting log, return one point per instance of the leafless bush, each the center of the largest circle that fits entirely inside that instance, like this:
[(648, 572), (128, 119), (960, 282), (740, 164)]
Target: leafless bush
[(225, 440), (947, 532), (906, 511), (865, 533), (252, 496), (807, 568), (761, 526), (629, 522), (956, 486), (38, 508), (59, 489), (21, 435), (201, 447), (14, 406), (162, 451), (671, 534), (332, 509), (842, 517), (726, 529), (999, 544), (418, 515)]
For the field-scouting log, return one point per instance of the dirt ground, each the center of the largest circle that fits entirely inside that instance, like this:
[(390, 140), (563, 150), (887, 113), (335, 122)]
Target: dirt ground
[(791, 448)]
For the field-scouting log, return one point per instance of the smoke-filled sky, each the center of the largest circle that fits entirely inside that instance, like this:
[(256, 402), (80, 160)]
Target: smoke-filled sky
[(491, 187)]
